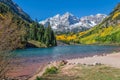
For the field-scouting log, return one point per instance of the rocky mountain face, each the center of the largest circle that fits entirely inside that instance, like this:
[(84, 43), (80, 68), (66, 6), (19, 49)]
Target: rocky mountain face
[(70, 23), (16, 9)]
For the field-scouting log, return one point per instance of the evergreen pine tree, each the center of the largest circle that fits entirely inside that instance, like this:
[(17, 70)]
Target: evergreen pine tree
[(40, 33), (49, 37)]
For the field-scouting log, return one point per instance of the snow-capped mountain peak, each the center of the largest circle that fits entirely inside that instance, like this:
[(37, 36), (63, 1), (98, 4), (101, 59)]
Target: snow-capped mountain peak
[(69, 22), (57, 16), (67, 14)]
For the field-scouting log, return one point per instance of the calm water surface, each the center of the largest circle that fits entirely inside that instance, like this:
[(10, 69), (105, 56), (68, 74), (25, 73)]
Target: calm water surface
[(65, 52)]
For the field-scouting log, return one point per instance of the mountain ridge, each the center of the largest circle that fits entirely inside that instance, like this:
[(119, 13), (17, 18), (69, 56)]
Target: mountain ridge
[(70, 23), (15, 8)]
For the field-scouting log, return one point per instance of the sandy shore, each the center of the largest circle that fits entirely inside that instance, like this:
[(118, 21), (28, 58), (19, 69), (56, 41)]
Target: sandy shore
[(112, 60)]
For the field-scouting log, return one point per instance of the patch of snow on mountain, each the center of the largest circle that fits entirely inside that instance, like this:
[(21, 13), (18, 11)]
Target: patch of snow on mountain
[(69, 22)]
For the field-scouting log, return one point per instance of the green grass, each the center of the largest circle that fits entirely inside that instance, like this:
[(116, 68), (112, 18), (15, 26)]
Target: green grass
[(79, 72), (38, 78), (37, 43), (52, 70)]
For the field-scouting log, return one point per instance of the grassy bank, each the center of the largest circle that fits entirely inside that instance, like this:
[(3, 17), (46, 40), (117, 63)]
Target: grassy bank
[(82, 72), (36, 43)]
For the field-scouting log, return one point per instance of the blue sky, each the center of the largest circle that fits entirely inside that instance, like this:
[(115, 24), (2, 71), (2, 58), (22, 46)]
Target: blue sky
[(42, 9)]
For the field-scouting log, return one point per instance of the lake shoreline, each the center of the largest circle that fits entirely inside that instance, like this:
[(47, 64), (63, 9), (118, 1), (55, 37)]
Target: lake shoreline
[(24, 72), (30, 60), (105, 59)]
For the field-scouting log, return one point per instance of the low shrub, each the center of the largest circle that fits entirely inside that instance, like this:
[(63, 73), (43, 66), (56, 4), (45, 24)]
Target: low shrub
[(52, 70), (38, 78)]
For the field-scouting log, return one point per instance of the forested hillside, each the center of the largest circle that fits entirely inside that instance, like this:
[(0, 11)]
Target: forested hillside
[(107, 32), (17, 32)]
